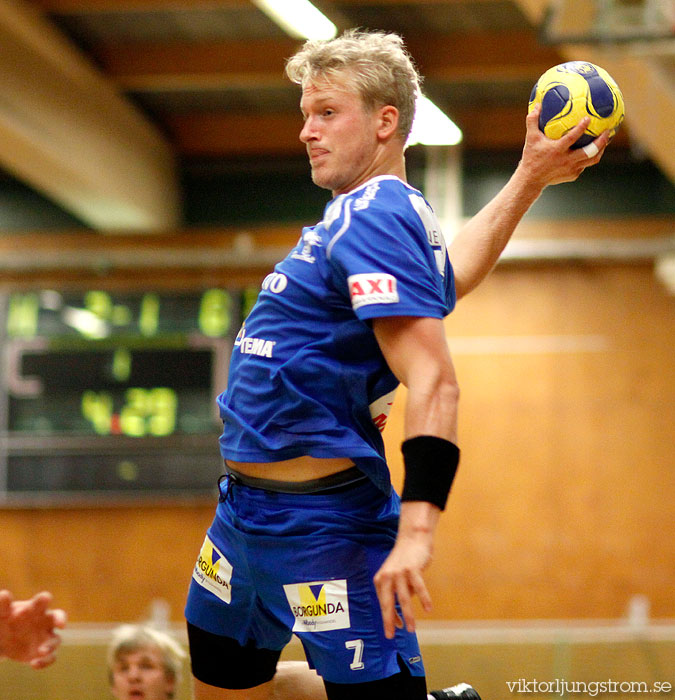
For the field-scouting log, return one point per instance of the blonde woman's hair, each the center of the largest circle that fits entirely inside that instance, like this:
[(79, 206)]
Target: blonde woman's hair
[(130, 638), (377, 64)]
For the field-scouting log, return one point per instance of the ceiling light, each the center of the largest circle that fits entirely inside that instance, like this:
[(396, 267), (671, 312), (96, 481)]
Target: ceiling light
[(665, 270), (299, 18), (432, 127)]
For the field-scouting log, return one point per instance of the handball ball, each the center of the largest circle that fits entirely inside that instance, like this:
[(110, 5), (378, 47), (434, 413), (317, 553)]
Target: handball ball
[(571, 91)]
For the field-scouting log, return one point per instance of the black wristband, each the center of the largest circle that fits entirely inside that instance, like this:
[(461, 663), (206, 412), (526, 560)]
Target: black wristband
[(430, 466)]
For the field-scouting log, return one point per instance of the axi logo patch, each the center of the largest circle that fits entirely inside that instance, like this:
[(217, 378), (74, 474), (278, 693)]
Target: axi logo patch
[(213, 571), (319, 606), (372, 288)]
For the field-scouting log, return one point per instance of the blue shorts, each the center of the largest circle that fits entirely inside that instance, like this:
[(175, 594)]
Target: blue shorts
[(276, 564)]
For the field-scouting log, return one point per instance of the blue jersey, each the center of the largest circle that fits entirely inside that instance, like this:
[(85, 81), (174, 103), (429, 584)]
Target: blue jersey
[(307, 376)]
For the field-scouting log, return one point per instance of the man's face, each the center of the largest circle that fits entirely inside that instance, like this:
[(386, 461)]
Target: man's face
[(140, 675), (340, 135)]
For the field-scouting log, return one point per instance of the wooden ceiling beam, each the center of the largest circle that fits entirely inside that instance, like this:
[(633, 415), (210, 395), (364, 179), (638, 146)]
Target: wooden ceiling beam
[(500, 128), (174, 63), (229, 135), (384, 3), (503, 128), (67, 133), (224, 134), (481, 56), (72, 7), (478, 57), (90, 6)]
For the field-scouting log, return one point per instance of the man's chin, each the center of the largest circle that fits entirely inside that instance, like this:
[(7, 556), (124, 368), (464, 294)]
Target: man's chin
[(322, 181)]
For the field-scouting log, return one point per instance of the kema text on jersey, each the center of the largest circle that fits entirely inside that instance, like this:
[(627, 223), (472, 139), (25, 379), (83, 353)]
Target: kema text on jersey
[(253, 346)]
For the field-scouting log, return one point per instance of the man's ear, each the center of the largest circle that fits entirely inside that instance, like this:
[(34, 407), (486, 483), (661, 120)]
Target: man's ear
[(388, 125)]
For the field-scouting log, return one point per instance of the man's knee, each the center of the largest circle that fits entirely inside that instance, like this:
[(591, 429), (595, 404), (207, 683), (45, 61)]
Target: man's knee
[(222, 662)]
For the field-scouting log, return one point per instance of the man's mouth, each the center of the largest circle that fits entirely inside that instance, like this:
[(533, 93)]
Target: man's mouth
[(317, 153)]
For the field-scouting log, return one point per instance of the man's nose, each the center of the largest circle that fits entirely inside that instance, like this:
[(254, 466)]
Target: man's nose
[(308, 132)]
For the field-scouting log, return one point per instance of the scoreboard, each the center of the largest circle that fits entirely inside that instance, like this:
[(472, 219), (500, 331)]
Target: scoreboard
[(106, 394)]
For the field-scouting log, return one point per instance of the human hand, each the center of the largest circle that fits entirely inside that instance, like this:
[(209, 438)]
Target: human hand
[(27, 629), (552, 161), (400, 576)]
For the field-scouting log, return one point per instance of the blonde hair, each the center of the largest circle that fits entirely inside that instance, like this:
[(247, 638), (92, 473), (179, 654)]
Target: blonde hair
[(130, 638), (376, 64)]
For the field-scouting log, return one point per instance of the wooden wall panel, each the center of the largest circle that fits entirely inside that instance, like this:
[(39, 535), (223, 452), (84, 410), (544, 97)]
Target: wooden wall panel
[(563, 506), (104, 564)]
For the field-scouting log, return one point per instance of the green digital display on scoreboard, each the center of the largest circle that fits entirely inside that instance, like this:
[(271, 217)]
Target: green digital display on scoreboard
[(113, 391)]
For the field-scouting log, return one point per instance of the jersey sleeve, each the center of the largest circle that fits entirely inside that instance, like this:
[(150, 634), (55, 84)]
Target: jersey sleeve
[(388, 260)]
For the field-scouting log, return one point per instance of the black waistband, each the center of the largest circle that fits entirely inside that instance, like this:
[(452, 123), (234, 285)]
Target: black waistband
[(326, 484)]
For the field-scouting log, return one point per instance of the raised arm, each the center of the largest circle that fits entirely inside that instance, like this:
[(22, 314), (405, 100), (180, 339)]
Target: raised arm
[(417, 352), (478, 245)]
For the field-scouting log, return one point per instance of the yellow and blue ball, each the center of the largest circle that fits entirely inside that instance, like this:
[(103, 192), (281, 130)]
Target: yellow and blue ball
[(571, 91)]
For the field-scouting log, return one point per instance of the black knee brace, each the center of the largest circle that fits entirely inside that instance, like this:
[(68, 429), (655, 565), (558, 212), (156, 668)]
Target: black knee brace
[(224, 663)]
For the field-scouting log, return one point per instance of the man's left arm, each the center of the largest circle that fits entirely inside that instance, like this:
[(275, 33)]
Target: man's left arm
[(417, 352)]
